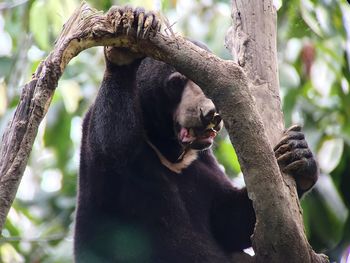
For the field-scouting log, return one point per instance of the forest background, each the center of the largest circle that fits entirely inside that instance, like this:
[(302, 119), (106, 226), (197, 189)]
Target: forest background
[(314, 71)]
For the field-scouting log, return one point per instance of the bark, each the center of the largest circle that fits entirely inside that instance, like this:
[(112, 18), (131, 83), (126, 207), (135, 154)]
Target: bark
[(252, 42), (224, 81)]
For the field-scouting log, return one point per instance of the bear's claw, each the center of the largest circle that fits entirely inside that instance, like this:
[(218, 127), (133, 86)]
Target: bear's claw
[(134, 21)]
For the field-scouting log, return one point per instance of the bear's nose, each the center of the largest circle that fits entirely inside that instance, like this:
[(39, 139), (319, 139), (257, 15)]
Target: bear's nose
[(209, 117)]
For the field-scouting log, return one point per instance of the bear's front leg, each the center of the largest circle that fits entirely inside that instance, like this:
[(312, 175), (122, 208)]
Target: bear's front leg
[(295, 158), (113, 127)]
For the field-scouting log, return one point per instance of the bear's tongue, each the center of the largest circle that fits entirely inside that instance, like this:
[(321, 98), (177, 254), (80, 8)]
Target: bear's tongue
[(186, 136)]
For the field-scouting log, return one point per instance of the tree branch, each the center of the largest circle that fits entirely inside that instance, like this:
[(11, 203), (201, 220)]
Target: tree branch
[(230, 90)]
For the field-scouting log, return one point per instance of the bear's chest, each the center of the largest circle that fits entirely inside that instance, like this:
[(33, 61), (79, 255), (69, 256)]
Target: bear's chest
[(174, 212), (159, 194)]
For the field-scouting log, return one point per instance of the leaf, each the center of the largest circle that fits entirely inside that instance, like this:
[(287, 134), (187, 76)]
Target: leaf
[(345, 9), (57, 132), (293, 48), (71, 94), (322, 77), (3, 97), (5, 66), (307, 11), (289, 77), (277, 4), (330, 153), (58, 12), (38, 24), (324, 19), (9, 254), (325, 214), (5, 43)]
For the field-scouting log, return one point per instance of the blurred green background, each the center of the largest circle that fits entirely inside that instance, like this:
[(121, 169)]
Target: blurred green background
[(314, 61)]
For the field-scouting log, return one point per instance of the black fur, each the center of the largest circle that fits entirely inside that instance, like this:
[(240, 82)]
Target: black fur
[(131, 208)]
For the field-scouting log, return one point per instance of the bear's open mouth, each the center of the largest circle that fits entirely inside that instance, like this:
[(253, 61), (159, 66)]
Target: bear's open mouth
[(204, 139), (199, 138)]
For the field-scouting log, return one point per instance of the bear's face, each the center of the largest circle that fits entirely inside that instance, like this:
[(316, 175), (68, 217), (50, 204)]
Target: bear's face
[(196, 120), (174, 108)]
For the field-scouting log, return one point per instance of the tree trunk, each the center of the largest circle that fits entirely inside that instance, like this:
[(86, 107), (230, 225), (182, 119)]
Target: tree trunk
[(224, 81), (252, 42)]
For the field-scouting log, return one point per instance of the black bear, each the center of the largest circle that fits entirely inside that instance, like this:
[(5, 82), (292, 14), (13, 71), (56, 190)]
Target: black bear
[(150, 188)]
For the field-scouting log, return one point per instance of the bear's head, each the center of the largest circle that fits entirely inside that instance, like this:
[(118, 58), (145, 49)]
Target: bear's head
[(177, 115)]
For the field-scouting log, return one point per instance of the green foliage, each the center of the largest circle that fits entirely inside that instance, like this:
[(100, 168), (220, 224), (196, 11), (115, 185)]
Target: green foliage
[(226, 155), (315, 87), (314, 52)]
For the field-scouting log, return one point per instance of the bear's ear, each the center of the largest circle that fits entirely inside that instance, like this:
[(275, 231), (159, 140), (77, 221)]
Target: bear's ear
[(176, 79), (175, 82), (174, 85)]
